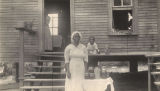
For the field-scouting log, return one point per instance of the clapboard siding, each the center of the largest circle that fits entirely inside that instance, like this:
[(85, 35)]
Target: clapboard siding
[(12, 12), (158, 19), (92, 18), (147, 24)]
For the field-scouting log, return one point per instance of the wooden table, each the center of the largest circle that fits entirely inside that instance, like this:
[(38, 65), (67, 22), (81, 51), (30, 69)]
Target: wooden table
[(132, 57)]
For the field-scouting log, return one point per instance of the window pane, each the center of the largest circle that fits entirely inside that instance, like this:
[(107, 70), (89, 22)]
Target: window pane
[(50, 22), (122, 19), (117, 2), (51, 31), (55, 21), (126, 2), (55, 31)]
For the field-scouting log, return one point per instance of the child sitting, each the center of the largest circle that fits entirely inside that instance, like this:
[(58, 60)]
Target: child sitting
[(92, 46)]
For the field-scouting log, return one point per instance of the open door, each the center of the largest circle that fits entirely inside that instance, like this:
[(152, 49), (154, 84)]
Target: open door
[(56, 24)]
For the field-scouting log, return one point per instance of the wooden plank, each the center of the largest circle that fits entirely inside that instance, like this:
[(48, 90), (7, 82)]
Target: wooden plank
[(48, 66), (155, 73), (40, 80), (157, 83), (51, 61), (42, 87), (46, 73)]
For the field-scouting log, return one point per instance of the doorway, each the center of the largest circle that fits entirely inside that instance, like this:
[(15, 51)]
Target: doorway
[(56, 25)]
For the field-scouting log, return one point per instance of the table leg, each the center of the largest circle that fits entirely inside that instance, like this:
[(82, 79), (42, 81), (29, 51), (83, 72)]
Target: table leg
[(133, 66)]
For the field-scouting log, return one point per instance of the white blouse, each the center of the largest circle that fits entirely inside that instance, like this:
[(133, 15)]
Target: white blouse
[(72, 51)]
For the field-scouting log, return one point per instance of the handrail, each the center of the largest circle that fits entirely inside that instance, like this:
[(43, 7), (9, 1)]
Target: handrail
[(26, 30)]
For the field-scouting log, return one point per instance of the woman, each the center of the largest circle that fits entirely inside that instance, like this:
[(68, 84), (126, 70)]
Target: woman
[(48, 36), (76, 58)]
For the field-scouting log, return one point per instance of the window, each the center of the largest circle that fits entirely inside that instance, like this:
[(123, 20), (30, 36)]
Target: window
[(122, 3), (53, 24), (122, 15)]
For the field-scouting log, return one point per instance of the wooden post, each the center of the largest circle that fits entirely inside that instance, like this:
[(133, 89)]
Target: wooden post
[(21, 58), (72, 15), (149, 74)]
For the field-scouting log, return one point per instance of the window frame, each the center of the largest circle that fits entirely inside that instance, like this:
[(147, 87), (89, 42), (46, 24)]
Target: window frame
[(122, 4), (133, 8)]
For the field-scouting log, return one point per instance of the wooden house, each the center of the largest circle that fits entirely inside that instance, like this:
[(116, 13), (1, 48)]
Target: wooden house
[(124, 25), (91, 17)]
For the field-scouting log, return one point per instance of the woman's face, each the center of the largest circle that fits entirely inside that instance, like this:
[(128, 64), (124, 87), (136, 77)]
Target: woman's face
[(76, 38)]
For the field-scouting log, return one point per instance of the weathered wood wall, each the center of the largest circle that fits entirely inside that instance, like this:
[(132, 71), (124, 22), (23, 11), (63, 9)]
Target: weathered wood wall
[(158, 25), (12, 12), (92, 17)]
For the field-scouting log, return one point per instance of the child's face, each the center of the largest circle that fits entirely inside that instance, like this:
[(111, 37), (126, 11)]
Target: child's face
[(91, 40)]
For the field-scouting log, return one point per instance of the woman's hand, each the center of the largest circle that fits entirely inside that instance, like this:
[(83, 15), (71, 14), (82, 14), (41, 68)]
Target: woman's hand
[(68, 75)]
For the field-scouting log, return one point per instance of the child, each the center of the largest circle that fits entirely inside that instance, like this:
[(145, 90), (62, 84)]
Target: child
[(92, 46), (92, 49)]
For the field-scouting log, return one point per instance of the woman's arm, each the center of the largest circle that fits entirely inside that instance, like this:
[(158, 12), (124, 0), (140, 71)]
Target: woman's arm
[(67, 70), (86, 59), (86, 66), (67, 60)]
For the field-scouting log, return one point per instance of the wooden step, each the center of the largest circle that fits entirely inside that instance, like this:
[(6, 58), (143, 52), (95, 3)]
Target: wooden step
[(155, 63), (55, 56), (51, 61), (158, 68), (42, 87), (46, 73), (155, 73), (48, 66), (44, 80), (157, 83), (52, 53)]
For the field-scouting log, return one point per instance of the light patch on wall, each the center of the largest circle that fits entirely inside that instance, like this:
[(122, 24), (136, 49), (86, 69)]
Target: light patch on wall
[(53, 24)]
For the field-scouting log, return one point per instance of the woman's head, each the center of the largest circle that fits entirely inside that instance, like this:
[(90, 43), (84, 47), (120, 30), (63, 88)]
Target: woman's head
[(76, 37)]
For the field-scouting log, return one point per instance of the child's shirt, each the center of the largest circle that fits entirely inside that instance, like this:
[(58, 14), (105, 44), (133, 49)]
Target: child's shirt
[(92, 49)]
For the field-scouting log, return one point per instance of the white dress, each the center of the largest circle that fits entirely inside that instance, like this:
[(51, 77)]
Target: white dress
[(75, 56)]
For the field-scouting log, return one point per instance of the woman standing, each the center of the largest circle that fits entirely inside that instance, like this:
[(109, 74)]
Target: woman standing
[(76, 58), (48, 36)]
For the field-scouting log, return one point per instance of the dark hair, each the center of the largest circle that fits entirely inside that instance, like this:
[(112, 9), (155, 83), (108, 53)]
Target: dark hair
[(92, 37)]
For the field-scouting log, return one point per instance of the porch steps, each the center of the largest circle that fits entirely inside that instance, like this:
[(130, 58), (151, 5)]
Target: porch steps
[(48, 73), (155, 72)]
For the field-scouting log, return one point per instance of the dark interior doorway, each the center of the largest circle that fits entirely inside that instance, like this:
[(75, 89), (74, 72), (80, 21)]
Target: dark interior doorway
[(57, 24)]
